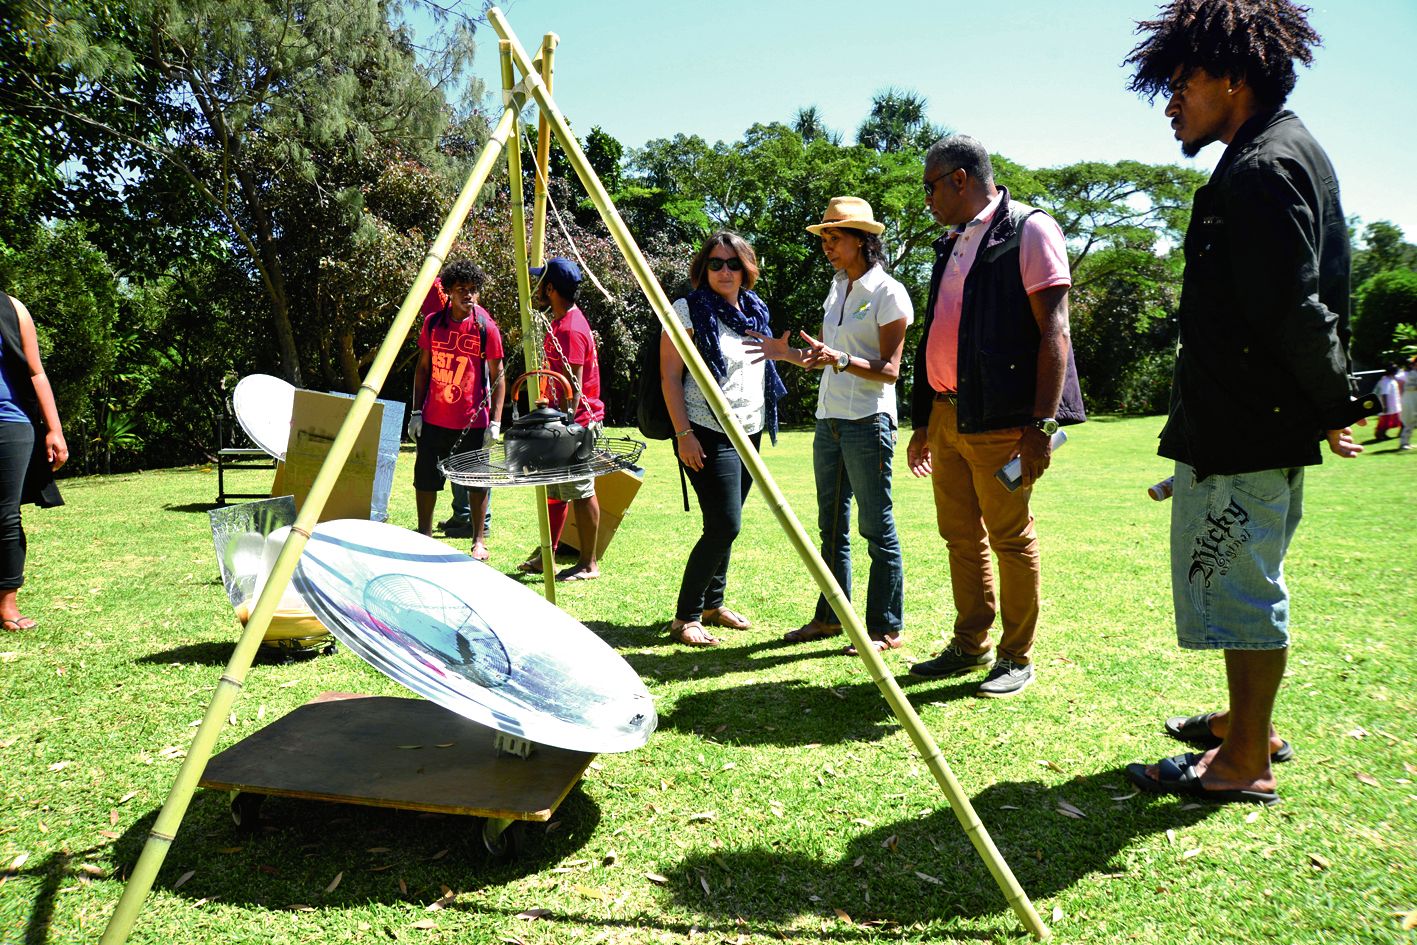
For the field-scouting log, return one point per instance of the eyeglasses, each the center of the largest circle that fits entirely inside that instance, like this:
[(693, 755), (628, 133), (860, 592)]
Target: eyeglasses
[(930, 182), (734, 265)]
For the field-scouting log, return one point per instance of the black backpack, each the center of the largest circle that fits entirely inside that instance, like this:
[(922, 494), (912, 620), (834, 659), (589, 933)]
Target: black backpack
[(651, 415)]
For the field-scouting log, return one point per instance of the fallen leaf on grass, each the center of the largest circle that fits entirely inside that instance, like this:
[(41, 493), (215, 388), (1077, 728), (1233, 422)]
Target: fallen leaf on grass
[(591, 892), (1009, 807), (377, 850), (512, 940), (1069, 810), (91, 870), (1050, 764), (1125, 797), (1190, 853), (1171, 836), (334, 883), (424, 924), (409, 747), (1191, 806), (1358, 732), (935, 880), (841, 914), (657, 879), (439, 855), (1319, 861), (127, 797), (293, 682), (1368, 779), (60, 765), (1057, 914), (444, 745), (703, 881), (1252, 816), (19, 860), (703, 816), (182, 880), (113, 818), (444, 901), (228, 849), (1409, 921), (43, 827), (403, 887), (856, 863), (109, 834)]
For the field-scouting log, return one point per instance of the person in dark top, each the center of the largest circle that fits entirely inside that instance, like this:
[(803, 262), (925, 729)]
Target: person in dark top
[(32, 448), (1262, 370)]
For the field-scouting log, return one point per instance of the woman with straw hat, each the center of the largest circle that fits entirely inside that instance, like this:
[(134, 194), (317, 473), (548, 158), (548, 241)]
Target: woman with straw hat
[(864, 319), (721, 314)]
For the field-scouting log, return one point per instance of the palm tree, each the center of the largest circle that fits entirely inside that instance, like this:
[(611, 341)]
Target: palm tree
[(897, 122)]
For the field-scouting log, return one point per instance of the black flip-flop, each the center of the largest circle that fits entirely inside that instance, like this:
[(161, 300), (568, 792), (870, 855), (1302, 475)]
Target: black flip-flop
[(1181, 779), (1195, 730)]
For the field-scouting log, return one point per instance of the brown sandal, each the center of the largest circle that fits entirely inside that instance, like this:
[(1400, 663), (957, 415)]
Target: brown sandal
[(880, 644), (682, 633), (723, 617), (812, 630)]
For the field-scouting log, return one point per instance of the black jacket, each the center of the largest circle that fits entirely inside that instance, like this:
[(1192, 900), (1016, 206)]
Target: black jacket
[(39, 478), (997, 359), (1262, 367)]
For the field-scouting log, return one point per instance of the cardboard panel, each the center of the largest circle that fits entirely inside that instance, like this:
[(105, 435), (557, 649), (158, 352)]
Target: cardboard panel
[(615, 491), (314, 422)]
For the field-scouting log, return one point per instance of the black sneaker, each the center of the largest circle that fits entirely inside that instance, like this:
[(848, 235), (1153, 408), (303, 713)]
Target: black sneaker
[(456, 529), (1007, 678), (952, 661)]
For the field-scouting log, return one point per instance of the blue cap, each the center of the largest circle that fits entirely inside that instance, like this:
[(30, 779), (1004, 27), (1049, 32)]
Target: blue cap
[(561, 273)]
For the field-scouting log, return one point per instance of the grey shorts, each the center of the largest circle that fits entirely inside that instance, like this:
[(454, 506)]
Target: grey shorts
[(1229, 535), (576, 488)]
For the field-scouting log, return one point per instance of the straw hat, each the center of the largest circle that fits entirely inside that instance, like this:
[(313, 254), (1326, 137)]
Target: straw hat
[(850, 212)]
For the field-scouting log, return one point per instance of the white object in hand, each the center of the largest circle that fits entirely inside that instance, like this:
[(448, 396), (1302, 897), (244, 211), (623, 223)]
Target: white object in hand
[(415, 424), (1012, 473)]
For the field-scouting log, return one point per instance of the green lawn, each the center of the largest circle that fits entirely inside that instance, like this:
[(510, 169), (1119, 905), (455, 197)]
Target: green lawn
[(824, 826)]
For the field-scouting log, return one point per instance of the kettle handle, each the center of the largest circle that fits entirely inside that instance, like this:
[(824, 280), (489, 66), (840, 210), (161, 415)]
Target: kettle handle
[(556, 376)]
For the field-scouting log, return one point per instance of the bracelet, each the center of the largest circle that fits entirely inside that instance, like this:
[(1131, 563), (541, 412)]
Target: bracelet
[(683, 433)]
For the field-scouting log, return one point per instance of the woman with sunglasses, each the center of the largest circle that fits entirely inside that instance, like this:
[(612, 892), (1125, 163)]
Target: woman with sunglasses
[(720, 314), (863, 333)]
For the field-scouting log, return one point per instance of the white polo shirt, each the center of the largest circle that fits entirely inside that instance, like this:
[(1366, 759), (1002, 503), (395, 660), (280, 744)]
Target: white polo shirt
[(851, 322)]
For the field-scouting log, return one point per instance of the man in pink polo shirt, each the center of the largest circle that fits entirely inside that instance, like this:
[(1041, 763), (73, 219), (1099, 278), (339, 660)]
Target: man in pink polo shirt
[(994, 379)]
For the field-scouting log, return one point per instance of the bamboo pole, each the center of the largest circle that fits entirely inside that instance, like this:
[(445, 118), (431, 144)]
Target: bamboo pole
[(924, 743), (164, 829), (531, 352), (537, 255)]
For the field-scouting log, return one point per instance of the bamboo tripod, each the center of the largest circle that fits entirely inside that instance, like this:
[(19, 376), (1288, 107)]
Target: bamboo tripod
[(535, 83)]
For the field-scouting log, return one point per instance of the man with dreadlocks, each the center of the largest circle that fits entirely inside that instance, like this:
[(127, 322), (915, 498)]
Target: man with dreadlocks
[(1261, 372)]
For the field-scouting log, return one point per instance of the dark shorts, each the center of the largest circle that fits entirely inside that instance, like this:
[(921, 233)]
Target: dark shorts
[(437, 443)]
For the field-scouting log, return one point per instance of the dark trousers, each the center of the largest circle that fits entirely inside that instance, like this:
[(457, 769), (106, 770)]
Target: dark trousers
[(16, 447), (722, 487)]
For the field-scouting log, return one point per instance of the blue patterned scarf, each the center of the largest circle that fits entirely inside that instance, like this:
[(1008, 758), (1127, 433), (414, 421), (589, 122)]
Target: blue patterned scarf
[(707, 306)]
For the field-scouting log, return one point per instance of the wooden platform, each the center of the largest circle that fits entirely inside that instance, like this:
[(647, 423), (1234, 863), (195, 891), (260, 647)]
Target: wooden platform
[(382, 751)]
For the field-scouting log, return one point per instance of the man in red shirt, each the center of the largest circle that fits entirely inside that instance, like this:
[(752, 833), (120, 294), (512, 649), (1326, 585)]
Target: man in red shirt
[(570, 350), (460, 355)]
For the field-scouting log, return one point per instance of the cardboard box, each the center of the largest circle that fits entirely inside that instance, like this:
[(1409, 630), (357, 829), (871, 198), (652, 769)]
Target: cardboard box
[(615, 491), (315, 420)]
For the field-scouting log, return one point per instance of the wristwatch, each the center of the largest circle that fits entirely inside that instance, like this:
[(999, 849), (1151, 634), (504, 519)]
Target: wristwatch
[(1047, 426), (843, 362)]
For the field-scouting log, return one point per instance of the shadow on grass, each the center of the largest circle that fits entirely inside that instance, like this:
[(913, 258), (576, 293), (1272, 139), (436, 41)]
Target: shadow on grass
[(672, 660), (799, 712), (219, 654), (193, 507), (925, 870), (384, 855)]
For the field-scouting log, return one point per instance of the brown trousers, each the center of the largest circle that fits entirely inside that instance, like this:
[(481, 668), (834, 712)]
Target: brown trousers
[(975, 512)]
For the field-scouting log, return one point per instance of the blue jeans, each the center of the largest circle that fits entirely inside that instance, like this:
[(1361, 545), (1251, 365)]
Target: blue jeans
[(853, 458)]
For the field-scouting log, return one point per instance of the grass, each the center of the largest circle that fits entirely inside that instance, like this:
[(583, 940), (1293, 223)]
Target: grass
[(820, 809)]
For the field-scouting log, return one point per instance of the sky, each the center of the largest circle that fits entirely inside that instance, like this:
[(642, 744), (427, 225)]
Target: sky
[(1038, 81)]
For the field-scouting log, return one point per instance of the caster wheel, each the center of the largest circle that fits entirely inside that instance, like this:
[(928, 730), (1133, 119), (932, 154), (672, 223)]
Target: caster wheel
[(246, 811), (503, 839)]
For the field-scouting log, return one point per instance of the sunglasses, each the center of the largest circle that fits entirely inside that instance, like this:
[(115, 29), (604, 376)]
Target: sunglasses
[(734, 265), (930, 182)]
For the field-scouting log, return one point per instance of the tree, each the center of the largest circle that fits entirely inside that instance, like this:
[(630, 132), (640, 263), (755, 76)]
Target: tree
[(897, 122), (1384, 249), (246, 100), (808, 123), (1385, 302)]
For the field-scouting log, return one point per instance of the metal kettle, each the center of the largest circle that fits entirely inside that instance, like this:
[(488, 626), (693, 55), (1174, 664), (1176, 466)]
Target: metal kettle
[(545, 437)]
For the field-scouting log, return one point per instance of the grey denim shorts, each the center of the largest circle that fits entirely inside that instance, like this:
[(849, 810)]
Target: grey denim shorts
[(1229, 535)]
